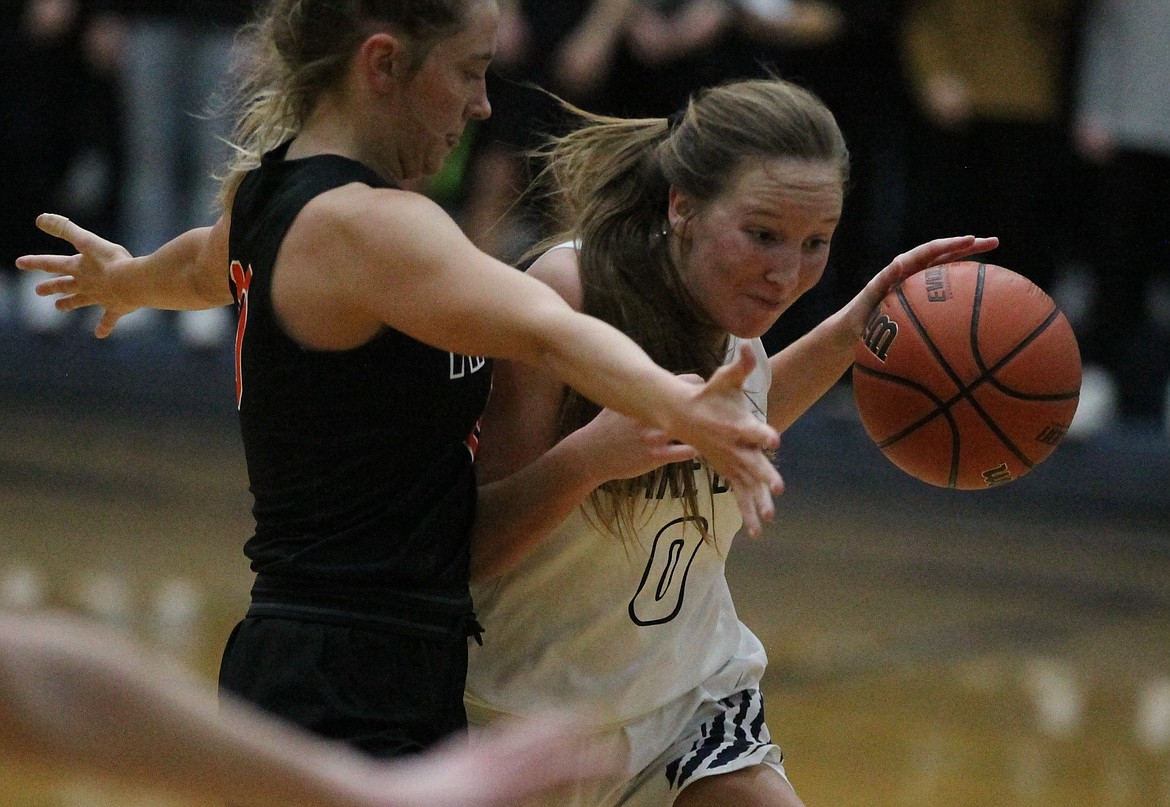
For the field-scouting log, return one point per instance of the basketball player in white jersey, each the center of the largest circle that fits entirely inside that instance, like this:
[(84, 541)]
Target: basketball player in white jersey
[(691, 234)]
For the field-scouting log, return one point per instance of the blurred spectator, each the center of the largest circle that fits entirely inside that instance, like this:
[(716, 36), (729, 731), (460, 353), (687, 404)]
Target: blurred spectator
[(631, 58), (1122, 126), (989, 144), (623, 57), (58, 132), (671, 48), (565, 47), (177, 55)]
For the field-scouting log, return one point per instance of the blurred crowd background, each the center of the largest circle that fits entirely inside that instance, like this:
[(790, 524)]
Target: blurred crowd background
[(1044, 122)]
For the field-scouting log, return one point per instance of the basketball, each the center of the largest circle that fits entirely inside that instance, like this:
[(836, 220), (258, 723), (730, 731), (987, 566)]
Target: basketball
[(967, 376)]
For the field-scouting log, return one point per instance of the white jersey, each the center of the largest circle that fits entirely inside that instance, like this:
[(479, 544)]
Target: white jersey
[(625, 626)]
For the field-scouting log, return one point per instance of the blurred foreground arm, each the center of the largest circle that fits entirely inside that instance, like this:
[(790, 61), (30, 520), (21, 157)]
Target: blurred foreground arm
[(80, 699)]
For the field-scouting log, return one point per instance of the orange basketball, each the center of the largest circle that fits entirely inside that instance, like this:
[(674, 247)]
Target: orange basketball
[(967, 376)]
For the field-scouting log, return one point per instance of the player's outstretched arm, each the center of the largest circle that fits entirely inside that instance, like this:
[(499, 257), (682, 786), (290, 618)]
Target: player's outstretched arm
[(809, 367), (77, 698), (189, 272), (441, 290)]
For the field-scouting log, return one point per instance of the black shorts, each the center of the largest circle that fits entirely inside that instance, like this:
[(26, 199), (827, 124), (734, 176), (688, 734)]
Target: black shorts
[(385, 693)]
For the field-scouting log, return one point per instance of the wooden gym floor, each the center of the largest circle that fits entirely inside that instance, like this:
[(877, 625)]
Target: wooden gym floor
[(1009, 648)]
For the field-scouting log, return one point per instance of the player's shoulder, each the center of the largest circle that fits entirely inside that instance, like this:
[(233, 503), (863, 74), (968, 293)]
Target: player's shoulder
[(385, 218), (557, 268), (360, 202)]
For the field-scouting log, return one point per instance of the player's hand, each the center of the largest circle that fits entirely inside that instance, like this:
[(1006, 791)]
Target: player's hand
[(84, 279), (734, 441), (932, 253)]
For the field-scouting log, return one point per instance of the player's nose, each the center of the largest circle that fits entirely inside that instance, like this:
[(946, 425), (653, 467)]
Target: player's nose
[(480, 107), (783, 273)]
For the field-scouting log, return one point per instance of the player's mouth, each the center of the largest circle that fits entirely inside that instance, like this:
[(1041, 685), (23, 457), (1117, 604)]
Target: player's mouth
[(767, 303)]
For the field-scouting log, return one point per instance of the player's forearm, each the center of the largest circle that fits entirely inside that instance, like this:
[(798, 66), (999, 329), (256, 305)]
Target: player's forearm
[(808, 368), (610, 369), (516, 513), (189, 272), (77, 701)]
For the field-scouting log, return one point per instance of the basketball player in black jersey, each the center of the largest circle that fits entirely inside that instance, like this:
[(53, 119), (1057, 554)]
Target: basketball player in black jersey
[(363, 309)]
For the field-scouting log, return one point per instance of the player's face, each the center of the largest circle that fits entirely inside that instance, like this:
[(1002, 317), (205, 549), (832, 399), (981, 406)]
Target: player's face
[(749, 254), (447, 92)]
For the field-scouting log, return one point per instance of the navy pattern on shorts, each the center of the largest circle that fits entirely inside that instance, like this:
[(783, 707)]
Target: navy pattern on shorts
[(738, 731)]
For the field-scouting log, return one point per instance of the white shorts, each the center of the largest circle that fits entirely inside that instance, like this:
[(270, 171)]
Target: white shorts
[(726, 735), (722, 736)]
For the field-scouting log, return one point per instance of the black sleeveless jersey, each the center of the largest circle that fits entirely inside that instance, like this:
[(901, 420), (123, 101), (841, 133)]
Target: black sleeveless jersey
[(360, 461)]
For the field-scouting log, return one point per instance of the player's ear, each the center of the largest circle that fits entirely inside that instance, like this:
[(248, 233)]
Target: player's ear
[(380, 60), (680, 207)]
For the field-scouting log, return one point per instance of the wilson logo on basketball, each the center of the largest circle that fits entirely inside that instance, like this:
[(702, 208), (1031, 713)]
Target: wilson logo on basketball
[(880, 333)]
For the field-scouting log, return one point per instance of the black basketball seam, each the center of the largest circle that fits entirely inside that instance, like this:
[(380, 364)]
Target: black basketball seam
[(941, 408), (914, 385), (1024, 396), (976, 309), (944, 407), (917, 323)]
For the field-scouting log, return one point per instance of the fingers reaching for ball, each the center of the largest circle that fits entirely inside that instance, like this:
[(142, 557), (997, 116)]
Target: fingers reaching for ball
[(932, 253), (938, 252)]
